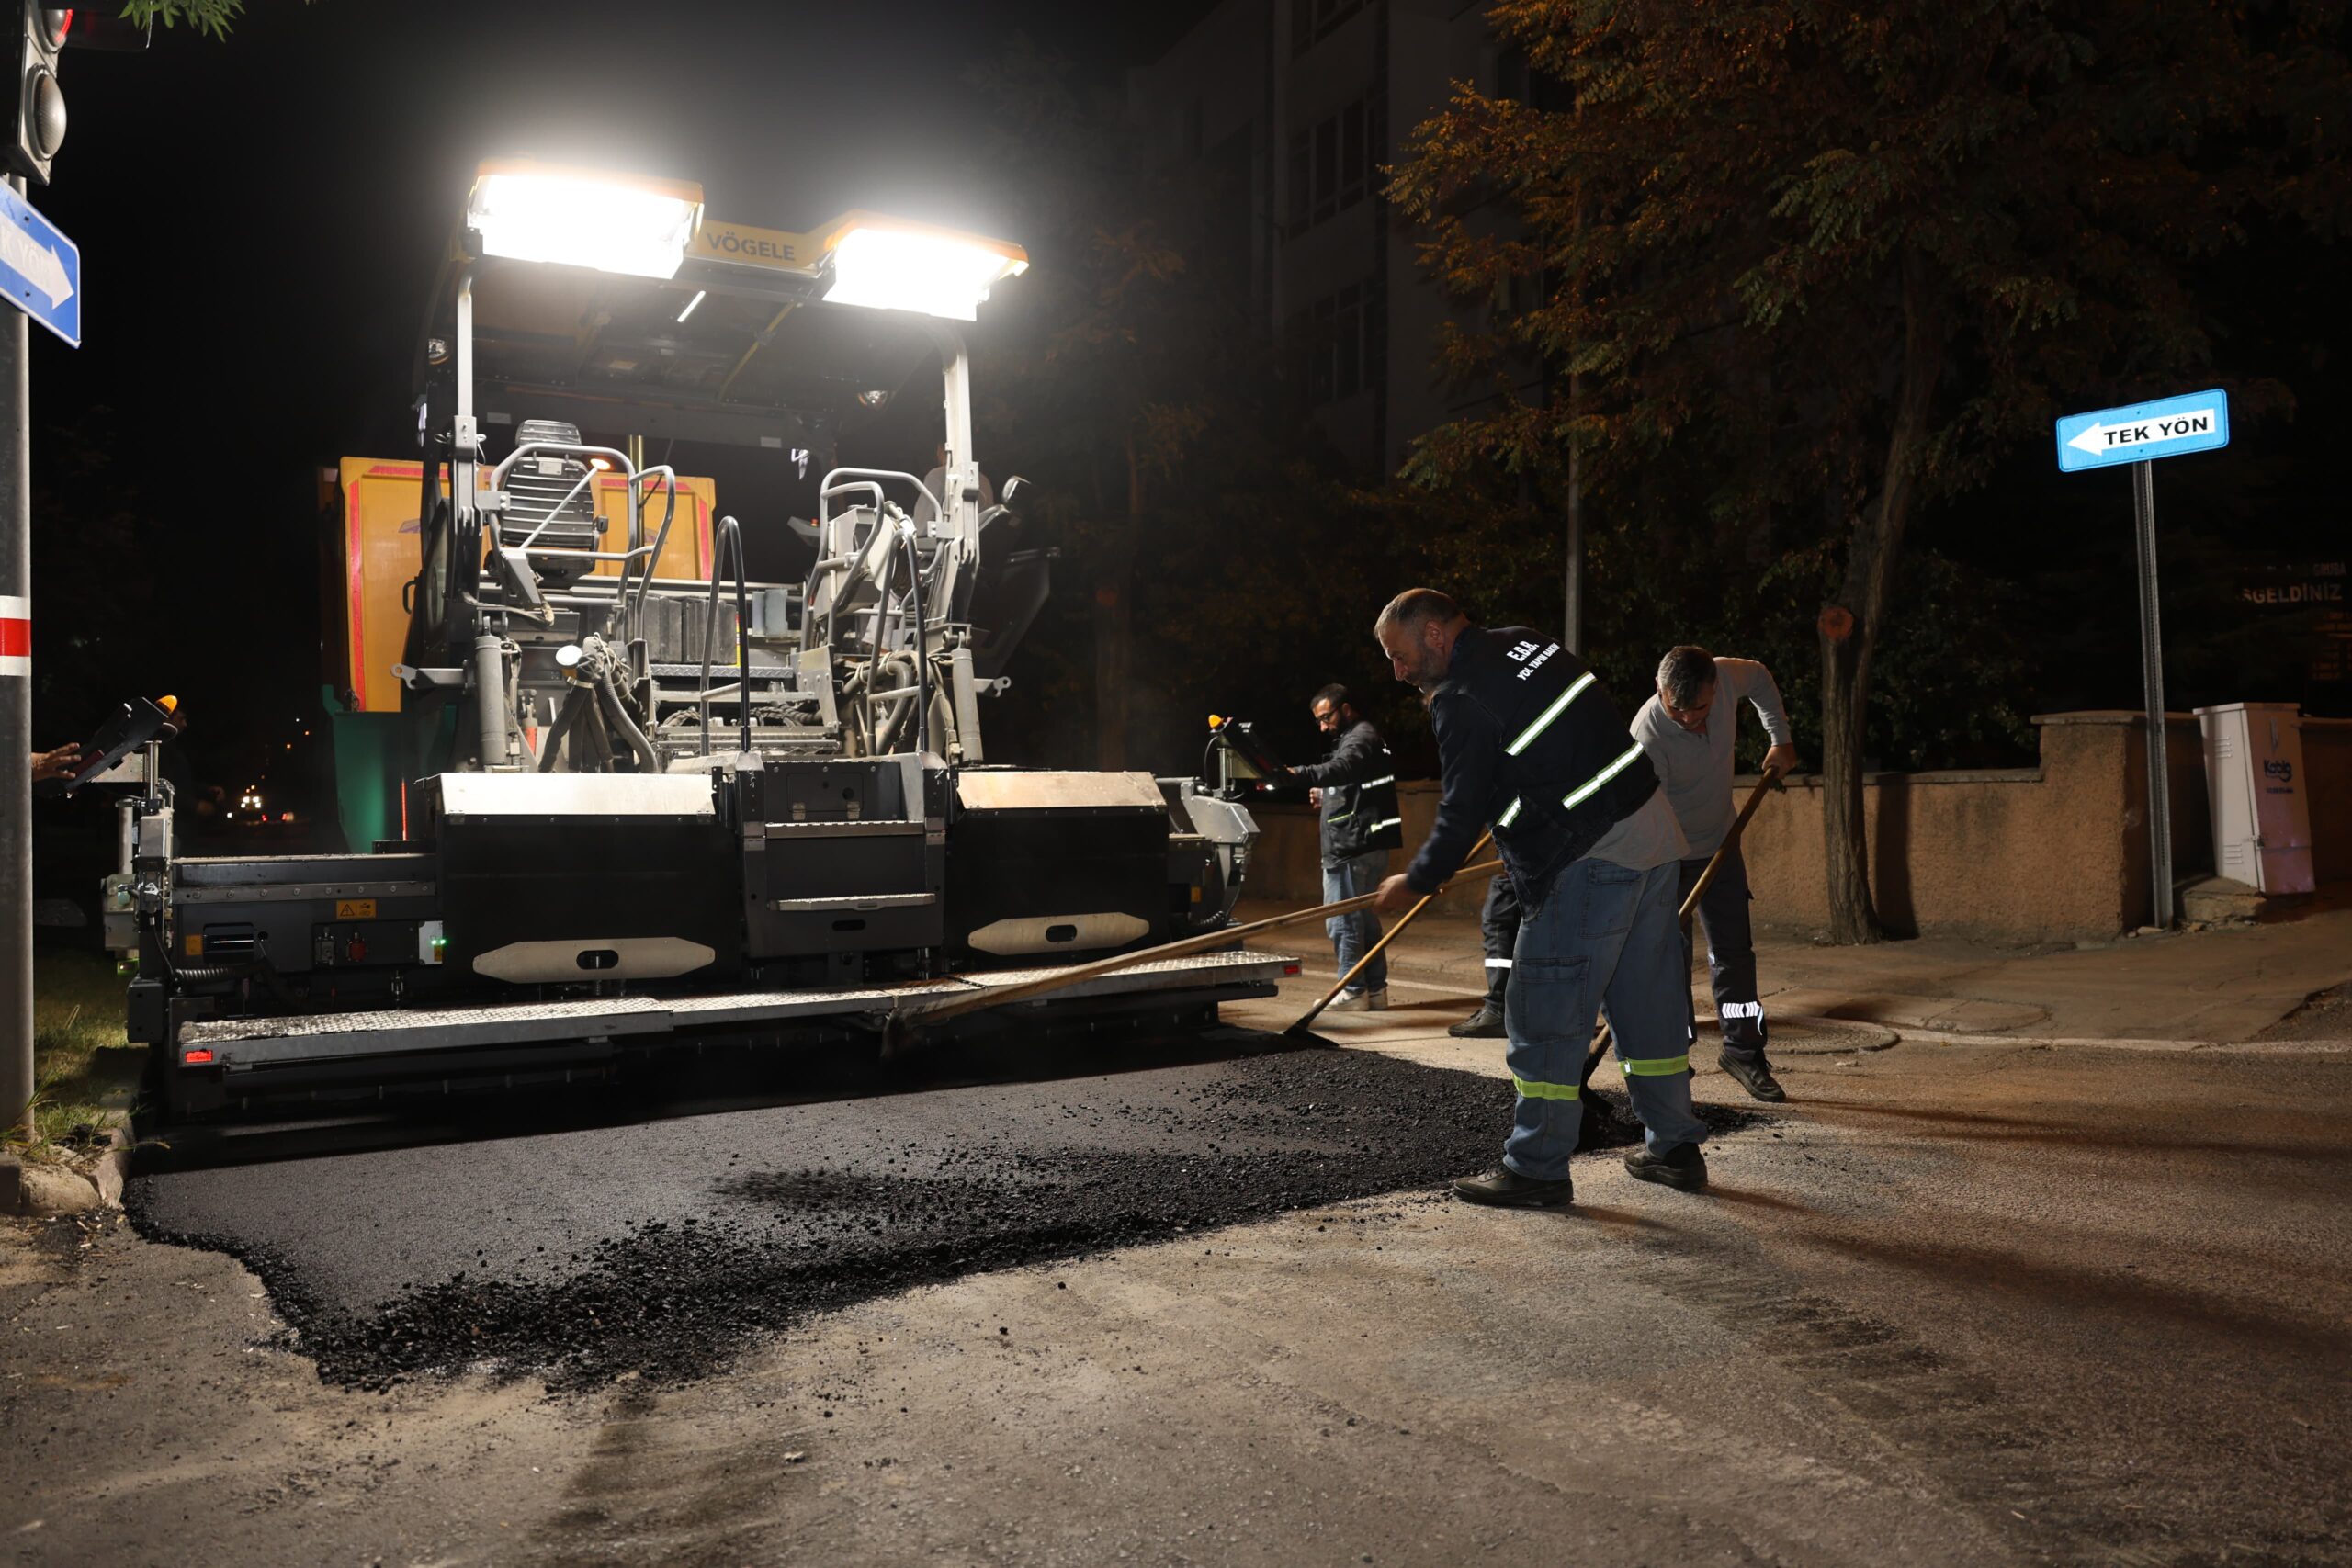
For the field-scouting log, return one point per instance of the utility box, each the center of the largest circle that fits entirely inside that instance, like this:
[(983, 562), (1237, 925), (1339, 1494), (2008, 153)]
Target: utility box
[(2253, 778)]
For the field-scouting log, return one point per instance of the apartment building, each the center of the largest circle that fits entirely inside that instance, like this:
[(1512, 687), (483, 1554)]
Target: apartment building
[(1298, 104)]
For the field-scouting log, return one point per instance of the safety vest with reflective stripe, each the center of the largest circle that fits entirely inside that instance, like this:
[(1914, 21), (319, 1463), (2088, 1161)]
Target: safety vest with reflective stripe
[(1534, 745)]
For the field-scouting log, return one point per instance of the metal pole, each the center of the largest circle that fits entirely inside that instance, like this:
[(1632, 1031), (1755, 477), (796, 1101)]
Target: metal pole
[(2151, 680), (16, 723), (1572, 628)]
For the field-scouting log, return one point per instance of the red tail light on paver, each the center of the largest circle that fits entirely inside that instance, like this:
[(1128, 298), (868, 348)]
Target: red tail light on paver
[(194, 1059)]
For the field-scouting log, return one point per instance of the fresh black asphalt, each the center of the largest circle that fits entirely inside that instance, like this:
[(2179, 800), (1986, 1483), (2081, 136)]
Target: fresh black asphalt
[(663, 1248)]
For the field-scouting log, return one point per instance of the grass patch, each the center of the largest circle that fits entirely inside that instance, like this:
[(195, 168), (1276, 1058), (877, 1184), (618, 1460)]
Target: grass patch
[(84, 1070)]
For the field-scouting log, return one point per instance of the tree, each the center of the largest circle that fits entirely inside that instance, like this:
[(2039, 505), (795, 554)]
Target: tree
[(1827, 262), (211, 17)]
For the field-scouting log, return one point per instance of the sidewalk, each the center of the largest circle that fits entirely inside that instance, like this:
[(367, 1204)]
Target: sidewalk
[(2223, 985)]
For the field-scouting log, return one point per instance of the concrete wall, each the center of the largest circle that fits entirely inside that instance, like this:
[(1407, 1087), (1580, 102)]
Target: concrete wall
[(2054, 852), (2327, 762), (2057, 853), (1287, 864)]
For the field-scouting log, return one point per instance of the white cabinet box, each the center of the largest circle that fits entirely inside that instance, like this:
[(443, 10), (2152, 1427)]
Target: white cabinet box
[(2253, 778)]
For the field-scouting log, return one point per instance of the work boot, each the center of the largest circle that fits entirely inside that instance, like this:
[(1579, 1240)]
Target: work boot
[(1486, 1023), (1506, 1188), (1753, 1074), (1361, 1001), (1683, 1167)]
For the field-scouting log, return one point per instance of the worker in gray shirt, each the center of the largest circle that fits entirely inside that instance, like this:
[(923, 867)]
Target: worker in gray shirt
[(1687, 729)]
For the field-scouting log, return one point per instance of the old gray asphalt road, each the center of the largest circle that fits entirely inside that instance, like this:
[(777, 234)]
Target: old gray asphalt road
[(1963, 1304)]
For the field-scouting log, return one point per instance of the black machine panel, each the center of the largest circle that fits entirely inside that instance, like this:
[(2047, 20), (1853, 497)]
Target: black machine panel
[(1056, 865), (832, 862), (556, 878)]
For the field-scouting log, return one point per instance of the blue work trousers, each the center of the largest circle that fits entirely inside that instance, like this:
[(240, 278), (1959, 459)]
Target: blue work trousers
[(1354, 934), (1604, 940)]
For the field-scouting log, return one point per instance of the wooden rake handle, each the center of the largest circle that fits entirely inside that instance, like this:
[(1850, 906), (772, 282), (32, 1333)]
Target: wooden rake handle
[(1226, 936), (1386, 937)]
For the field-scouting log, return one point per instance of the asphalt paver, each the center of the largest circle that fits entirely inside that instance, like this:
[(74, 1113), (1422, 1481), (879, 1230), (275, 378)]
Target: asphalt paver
[(663, 1248)]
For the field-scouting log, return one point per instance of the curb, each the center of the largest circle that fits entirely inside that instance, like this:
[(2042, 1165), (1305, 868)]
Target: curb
[(113, 1168), (43, 1192), (1874, 1035), (2177, 1047)]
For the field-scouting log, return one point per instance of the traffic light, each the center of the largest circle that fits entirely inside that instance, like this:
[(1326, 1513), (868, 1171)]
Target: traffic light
[(41, 102)]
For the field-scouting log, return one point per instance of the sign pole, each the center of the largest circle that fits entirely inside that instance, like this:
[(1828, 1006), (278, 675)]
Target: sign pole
[(2151, 680), (15, 721), (2137, 435)]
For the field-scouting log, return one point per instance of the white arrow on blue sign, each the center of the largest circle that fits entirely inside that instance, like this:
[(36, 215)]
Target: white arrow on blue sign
[(2138, 433), (40, 269)]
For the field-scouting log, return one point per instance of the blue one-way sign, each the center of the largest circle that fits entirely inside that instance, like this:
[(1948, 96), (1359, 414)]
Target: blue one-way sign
[(2139, 431), (40, 269)]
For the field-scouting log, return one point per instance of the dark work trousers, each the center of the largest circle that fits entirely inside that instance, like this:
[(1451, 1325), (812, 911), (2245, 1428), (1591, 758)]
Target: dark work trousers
[(1730, 951), (1499, 928)]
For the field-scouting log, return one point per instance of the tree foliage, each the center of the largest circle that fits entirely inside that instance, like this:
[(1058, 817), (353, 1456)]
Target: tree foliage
[(1813, 266), (211, 17)]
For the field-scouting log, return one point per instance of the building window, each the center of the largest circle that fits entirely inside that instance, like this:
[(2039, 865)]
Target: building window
[(1333, 162), (1341, 343), (1313, 20), (1510, 75)]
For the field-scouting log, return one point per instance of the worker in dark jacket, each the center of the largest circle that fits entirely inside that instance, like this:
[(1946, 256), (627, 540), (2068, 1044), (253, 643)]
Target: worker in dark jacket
[(1531, 743), (1355, 789)]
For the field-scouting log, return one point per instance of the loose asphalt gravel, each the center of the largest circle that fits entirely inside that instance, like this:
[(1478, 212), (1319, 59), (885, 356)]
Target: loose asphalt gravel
[(665, 1248)]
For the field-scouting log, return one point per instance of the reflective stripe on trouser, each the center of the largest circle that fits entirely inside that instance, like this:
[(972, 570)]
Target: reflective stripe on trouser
[(1498, 934), (1604, 939), (1353, 935), (1731, 952)]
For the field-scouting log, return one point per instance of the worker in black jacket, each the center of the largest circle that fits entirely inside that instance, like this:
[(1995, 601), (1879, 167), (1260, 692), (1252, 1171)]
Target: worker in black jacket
[(1532, 743), (1355, 789)]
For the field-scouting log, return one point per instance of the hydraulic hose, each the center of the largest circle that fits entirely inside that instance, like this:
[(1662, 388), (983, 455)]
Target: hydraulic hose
[(647, 757), (885, 731), (593, 736), (729, 537), (653, 563), (879, 733), (553, 744), (922, 642)]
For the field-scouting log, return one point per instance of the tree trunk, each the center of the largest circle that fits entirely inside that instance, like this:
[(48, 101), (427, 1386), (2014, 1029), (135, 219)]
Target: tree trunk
[(1848, 628), (1114, 625)]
